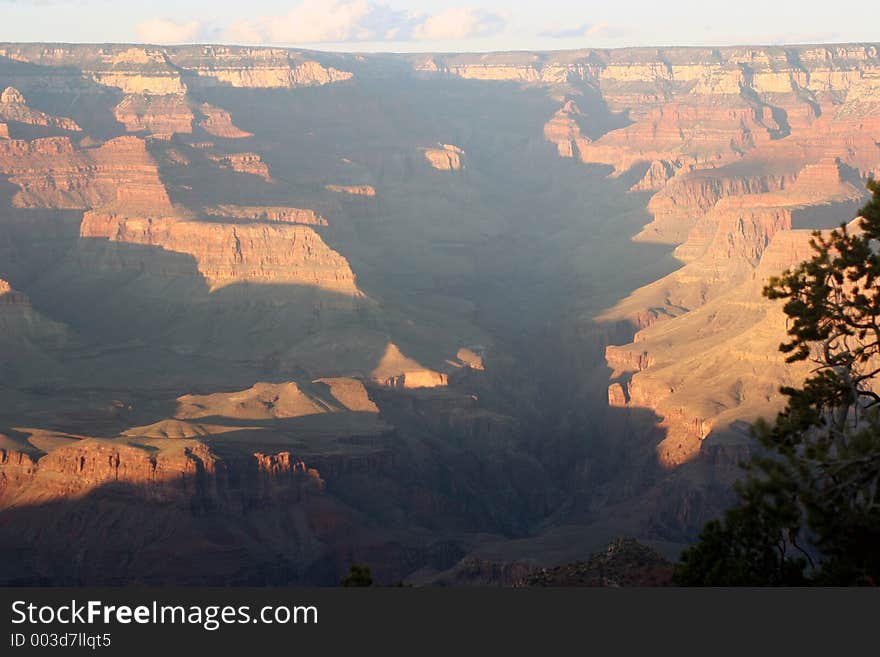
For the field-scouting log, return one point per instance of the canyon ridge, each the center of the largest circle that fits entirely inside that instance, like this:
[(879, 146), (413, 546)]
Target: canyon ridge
[(462, 318)]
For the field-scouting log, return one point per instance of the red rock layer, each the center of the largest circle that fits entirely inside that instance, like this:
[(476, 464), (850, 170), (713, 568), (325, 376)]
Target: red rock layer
[(704, 370), (52, 173), (160, 116), (445, 158), (564, 130), (354, 190), (227, 253), (250, 163), (276, 214), (13, 107), (217, 122)]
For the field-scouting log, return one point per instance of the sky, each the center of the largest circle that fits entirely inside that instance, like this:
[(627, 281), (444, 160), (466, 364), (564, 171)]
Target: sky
[(428, 25)]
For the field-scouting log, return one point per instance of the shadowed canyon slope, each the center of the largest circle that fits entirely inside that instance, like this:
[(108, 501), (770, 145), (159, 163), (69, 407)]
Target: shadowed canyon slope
[(265, 313)]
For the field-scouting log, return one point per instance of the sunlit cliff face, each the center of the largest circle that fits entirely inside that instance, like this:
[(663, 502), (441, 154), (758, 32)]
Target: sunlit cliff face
[(417, 311)]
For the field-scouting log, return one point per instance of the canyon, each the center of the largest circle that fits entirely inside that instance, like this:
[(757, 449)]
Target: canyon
[(463, 318)]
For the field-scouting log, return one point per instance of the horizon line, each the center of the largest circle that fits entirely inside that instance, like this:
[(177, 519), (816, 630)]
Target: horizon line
[(804, 44)]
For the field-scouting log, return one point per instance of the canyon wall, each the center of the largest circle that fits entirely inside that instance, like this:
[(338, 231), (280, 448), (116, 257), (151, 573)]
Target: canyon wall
[(415, 311)]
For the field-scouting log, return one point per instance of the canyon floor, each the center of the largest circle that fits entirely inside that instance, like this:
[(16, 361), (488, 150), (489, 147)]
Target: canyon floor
[(267, 313)]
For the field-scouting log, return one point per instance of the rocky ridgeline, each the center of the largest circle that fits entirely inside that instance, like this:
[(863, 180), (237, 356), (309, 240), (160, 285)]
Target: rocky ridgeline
[(54, 173), (14, 109), (737, 148), (169, 70), (210, 271), (227, 253), (625, 562)]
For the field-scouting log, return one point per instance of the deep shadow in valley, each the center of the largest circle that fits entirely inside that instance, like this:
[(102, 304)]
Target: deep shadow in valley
[(518, 251)]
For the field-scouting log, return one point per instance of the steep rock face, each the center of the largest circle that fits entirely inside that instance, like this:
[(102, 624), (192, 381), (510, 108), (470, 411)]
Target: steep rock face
[(160, 115), (163, 71), (180, 472), (564, 130), (658, 174), (253, 67), (218, 122), (398, 371), (52, 173), (173, 501), (688, 131), (22, 328), (133, 70), (710, 367), (138, 71), (727, 242), (228, 253), (680, 202), (530, 68), (706, 129), (16, 471), (13, 107)]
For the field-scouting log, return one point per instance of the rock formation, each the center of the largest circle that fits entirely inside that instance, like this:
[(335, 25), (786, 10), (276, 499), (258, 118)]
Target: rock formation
[(249, 163), (159, 115), (354, 190), (445, 158), (397, 371), (14, 108), (540, 336), (53, 173), (716, 365), (218, 123), (227, 253), (564, 130), (275, 214)]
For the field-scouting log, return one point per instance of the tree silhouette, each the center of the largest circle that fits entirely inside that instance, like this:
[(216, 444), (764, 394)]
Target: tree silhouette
[(808, 511), (358, 576)]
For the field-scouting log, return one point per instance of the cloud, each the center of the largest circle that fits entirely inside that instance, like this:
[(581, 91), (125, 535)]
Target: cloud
[(167, 30), (335, 21), (600, 30), (460, 23)]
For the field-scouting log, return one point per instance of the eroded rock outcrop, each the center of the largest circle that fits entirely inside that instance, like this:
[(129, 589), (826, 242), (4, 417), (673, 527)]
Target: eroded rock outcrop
[(445, 158), (253, 67), (159, 115), (53, 173), (23, 328), (564, 130), (708, 368), (275, 214), (274, 253), (355, 190), (398, 371), (250, 163), (14, 108), (218, 122)]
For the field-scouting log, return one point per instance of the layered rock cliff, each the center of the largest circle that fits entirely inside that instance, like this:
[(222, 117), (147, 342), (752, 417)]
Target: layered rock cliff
[(268, 253), (14, 108), (403, 276), (54, 173)]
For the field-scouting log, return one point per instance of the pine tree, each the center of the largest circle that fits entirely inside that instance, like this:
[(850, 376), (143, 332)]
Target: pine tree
[(808, 511), (358, 576)]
